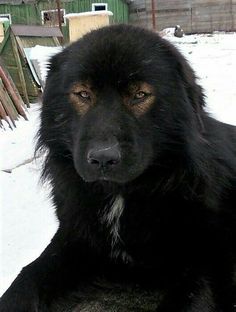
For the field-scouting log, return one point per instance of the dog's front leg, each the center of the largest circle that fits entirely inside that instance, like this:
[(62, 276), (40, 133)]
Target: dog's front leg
[(190, 294), (59, 268)]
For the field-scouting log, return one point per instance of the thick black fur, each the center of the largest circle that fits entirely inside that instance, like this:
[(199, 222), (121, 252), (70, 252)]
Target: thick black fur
[(175, 180)]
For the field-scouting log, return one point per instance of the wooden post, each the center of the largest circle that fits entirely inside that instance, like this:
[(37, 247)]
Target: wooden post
[(7, 104), (232, 15), (15, 90), (19, 66), (2, 111), (153, 15), (19, 104), (3, 115), (59, 18)]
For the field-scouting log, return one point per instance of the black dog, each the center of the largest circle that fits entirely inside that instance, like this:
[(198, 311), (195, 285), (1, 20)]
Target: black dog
[(143, 180)]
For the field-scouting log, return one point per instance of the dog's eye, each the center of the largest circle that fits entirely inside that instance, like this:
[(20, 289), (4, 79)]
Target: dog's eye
[(140, 95), (83, 94)]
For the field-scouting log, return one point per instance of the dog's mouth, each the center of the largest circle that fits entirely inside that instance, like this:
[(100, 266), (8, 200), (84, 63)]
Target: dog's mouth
[(103, 177), (118, 178)]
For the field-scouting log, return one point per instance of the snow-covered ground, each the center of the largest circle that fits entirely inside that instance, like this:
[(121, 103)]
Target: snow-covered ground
[(27, 220), (213, 57)]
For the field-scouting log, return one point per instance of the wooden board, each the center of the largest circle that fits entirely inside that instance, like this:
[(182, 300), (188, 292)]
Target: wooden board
[(192, 16)]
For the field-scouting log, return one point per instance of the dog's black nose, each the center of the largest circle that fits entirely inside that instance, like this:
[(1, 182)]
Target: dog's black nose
[(104, 157)]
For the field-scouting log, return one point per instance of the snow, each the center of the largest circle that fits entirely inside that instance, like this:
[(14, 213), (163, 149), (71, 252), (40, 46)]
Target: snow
[(213, 58), (90, 13), (43, 54), (27, 219), (24, 203)]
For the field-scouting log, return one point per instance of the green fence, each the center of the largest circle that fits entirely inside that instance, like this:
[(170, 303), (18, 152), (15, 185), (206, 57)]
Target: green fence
[(30, 14)]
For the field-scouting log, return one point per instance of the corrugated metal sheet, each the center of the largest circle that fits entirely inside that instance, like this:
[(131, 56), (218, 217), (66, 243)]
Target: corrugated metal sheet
[(36, 31), (30, 14)]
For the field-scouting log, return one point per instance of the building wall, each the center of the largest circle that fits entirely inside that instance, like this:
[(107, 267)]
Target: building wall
[(30, 14), (192, 15)]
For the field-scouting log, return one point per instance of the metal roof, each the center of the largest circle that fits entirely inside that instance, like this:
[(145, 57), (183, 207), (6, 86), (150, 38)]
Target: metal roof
[(36, 31), (16, 1)]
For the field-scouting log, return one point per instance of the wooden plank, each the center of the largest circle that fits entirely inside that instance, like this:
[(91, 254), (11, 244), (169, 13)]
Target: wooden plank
[(15, 76), (142, 23), (5, 40), (9, 85), (212, 19), (7, 104), (1, 124), (29, 42), (33, 89), (208, 3), (21, 49), (171, 19), (175, 14), (36, 31), (207, 15), (172, 2), (3, 115), (56, 41), (209, 27), (226, 9), (170, 5), (19, 66), (7, 54)]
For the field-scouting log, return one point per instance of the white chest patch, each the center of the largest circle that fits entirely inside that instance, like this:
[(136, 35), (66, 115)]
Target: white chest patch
[(112, 216)]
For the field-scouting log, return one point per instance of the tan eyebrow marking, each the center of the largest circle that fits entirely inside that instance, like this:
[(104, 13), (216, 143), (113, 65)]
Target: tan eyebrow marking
[(80, 104), (144, 105)]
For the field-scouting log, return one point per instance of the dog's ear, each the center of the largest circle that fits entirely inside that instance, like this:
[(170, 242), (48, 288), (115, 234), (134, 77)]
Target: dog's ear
[(193, 89), (57, 61)]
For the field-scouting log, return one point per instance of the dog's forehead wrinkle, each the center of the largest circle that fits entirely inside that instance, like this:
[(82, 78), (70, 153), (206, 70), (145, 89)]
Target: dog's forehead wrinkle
[(147, 61), (107, 148)]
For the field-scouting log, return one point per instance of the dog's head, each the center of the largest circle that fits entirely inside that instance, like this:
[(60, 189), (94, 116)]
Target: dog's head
[(116, 99)]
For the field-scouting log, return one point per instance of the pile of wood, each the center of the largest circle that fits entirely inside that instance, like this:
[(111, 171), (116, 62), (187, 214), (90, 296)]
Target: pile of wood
[(11, 103)]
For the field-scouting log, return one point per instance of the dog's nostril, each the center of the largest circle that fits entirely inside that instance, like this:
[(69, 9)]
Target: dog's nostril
[(112, 162), (105, 157), (93, 161)]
